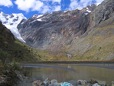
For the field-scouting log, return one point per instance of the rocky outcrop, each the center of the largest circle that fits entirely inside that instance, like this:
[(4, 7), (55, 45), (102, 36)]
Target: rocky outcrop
[(103, 12)]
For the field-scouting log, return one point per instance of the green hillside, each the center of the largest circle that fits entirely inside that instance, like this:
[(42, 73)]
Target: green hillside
[(12, 49), (97, 45)]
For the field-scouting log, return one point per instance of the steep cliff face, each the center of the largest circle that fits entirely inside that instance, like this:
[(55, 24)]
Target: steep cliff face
[(103, 13), (85, 34)]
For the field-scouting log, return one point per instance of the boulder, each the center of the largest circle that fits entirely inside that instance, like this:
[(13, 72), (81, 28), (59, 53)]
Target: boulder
[(82, 82), (54, 83), (96, 84), (66, 84), (37, 83), (102, 83), (112, 83), (73, 82)]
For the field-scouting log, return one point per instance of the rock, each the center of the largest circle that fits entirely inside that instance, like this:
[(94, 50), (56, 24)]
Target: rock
[(54, 83), (112, 83), (103, 12), (96, 84), (102, 83), (37, 83), (81, 82), (2, 79), (92, 81), (73, 82), (66, 84), (46, 82)]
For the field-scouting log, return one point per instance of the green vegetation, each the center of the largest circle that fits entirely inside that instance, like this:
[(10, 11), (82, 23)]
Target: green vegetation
[(16, 51)]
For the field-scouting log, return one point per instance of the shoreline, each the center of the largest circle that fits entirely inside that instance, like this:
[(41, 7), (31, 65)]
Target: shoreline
[(70, 62)]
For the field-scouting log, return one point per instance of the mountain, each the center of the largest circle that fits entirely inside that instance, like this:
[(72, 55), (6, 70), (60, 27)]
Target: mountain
[(86, 34), (44, 31), (11, 49), (11, 22)]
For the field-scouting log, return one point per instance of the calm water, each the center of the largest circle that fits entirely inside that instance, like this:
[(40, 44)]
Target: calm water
[(67, 72)]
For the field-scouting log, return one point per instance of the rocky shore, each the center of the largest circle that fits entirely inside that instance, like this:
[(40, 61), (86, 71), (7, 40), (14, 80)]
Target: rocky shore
[(54, 82)]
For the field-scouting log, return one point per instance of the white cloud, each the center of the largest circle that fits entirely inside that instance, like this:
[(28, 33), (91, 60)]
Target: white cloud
[(53, 1), (73, 4), (57, 8), (82, 3), (45, 9), (27, 5), (42, 6), (37, 5), (6, 3), (58, 1)]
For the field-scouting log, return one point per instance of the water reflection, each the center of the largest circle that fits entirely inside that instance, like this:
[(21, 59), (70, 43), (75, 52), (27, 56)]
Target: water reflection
[(67, 72)]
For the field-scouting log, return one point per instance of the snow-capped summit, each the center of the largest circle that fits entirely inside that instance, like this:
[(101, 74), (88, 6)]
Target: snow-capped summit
[(11, 22)]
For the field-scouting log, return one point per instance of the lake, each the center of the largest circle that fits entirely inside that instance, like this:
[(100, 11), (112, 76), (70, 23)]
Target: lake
[(68, 72)]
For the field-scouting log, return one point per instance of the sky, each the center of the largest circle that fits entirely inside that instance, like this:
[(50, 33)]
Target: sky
[(31, 7)]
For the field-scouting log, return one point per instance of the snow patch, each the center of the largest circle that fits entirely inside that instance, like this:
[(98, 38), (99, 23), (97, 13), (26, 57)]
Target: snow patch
[(39, 19), (87, 9), (86, 13)]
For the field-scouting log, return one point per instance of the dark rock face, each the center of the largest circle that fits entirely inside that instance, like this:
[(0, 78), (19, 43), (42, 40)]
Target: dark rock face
[(56, 29)]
